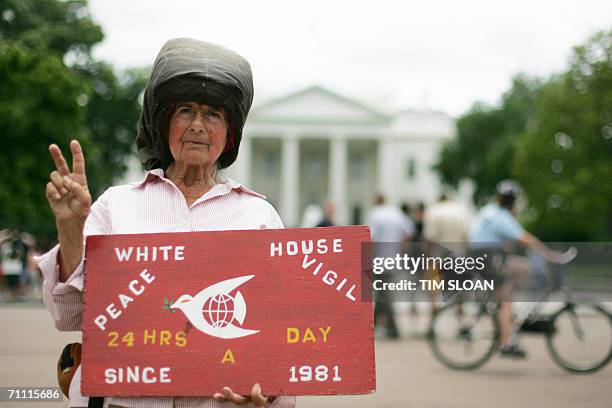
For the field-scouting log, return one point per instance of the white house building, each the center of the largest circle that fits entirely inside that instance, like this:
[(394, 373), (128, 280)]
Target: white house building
[(315, 145)]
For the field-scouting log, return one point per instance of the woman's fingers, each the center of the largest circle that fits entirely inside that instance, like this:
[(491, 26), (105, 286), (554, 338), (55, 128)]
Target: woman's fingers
[(52, 193), (219, 397), (230, 396), (78, 160), (56, 179), (233, 397), (58, 158), (78, 191), (257, 397)]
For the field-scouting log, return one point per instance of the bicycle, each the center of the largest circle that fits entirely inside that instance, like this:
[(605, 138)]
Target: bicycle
[(464, 335)]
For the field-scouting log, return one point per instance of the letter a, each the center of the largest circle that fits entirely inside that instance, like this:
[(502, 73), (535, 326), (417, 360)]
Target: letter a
[(228, 357)]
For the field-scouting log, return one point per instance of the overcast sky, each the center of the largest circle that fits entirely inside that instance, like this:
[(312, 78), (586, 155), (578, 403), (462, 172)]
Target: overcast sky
[(443, 55)]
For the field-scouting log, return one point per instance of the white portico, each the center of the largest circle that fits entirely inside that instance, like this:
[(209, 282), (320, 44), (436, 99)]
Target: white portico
[(315, 145)]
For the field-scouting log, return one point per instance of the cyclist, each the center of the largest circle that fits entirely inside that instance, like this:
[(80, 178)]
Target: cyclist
[(494, 226)]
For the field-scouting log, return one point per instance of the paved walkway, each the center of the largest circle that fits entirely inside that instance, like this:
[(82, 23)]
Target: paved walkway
[(407, 374)]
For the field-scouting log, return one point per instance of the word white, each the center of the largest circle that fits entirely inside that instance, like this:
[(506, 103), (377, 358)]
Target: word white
[(305, 247), (329, 278), (421, 263), (321, 373), (135, 375), (145, 254), (125, 300)]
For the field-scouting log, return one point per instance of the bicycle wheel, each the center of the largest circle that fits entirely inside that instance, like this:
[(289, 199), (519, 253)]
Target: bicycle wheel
[(463, 336), (580, 339)]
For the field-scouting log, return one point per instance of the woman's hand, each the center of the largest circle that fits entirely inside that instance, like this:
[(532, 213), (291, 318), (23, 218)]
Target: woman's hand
[(70, 201), (67, 192), (256, 397)]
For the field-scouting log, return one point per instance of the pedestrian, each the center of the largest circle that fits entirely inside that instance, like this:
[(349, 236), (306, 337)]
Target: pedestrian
[(328, 215), (390, 232)]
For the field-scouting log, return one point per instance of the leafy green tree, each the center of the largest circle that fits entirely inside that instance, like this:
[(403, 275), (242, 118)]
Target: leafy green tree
[(484, 147), (564, 161), (61, 26), (51, 91), (112, 109), (33, 114)]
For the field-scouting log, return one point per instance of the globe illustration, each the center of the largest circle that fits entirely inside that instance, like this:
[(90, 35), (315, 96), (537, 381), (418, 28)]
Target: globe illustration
[(219, 310)]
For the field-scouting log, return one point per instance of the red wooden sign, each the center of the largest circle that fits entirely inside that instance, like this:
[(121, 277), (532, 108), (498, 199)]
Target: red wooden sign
[(188, 313)]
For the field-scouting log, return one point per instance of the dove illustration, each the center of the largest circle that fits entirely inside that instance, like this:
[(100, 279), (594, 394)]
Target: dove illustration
[(193, 308)]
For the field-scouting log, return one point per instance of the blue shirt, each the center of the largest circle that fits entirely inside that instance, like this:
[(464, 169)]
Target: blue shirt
[(494, 225)]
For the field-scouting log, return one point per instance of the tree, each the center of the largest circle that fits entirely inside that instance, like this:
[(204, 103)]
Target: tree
[(564, 161), (61, 26), (484, 147), (44, 100), (33, 114), (111, 115)]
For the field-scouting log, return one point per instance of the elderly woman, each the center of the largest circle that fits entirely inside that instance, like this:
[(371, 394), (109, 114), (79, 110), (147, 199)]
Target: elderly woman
[(195, 106)]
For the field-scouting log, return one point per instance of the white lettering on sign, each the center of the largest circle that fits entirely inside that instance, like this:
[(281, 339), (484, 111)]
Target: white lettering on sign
[(330, 277), (136, 374), (146, 254), (307, 247), (308, 373), (135, 287)]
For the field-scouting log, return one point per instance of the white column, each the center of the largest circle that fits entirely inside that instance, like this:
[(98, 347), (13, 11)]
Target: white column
[(290, 173), (387, 165), (244, 158), (337, 178)]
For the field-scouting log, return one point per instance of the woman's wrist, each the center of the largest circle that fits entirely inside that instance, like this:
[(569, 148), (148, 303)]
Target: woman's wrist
[(70, 238)]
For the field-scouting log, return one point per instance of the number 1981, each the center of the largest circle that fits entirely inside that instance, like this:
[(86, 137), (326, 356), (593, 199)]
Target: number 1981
[(320, 373)]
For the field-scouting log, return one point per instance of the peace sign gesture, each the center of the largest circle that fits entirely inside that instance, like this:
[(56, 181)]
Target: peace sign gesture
[(67, 191)]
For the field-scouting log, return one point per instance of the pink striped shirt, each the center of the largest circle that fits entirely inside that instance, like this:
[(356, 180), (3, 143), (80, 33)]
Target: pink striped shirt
[(152, 205)]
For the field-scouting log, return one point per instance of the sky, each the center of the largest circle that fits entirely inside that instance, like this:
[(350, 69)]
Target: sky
[(392, 55)]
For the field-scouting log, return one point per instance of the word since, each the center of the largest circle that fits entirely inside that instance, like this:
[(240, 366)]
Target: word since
[(135, 375), (136, 288), (145, 253), (294, 335), (321, 373)]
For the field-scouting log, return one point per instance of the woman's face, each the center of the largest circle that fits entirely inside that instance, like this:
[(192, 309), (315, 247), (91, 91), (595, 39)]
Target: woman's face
[(197, 134)]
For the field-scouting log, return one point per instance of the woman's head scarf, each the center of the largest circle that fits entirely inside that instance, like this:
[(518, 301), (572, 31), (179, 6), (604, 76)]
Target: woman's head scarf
[(188, 70)]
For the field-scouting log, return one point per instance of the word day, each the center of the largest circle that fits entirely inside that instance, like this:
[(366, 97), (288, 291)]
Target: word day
[(294, 335)]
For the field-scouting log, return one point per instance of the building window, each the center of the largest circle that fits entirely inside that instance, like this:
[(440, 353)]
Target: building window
[(411, 167)]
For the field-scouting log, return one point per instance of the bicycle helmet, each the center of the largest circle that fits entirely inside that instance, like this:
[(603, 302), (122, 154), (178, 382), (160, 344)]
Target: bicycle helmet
[(507, 191)]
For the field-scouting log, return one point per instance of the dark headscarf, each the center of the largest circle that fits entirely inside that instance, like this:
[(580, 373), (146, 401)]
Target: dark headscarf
[(188, 70)]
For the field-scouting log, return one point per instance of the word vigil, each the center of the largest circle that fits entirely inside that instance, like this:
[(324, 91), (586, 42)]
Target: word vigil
[(321, 247)]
